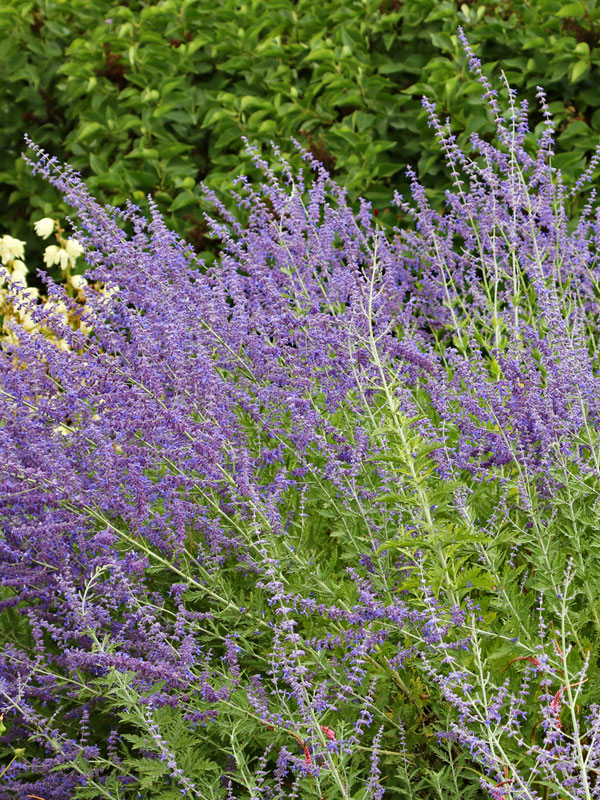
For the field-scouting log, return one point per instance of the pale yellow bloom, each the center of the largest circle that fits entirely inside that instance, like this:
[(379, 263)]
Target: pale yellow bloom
[(11, 248), (19, 271), (62, 428), (57, 306), (44, 227), (50, 255), (111, 291), (27, 321), (63, 259), (73, 248), (56, 255), (31, 292), (78, 281), (10, 337)]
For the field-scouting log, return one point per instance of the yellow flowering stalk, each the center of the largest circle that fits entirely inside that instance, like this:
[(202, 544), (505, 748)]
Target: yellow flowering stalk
[(65, 254)]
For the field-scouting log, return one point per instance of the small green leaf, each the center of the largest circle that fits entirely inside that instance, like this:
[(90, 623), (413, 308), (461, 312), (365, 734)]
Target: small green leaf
[(268, 126), (442, 40), (578, 69), (570, 10), (533, 43), (390, 67), (87, 129), (320, 54), (98, 164), (186, 198), (214, 115), (250, 100), (161, 110)]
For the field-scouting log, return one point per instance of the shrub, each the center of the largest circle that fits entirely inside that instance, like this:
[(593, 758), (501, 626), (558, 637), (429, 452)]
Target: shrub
[(319, 520), (154, 97)]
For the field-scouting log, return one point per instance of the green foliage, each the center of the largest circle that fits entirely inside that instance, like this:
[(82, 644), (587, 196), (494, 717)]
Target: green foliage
[(154, 98)]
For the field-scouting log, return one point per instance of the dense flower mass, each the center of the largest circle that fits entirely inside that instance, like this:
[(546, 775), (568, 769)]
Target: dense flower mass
[(316, 521)]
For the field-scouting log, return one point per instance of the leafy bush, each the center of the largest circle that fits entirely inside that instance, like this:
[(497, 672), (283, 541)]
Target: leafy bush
[(319, 520), (154, 97)]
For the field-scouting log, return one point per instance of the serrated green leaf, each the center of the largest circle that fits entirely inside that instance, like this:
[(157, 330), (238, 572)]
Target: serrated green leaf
[(442, 40), (268, 126)]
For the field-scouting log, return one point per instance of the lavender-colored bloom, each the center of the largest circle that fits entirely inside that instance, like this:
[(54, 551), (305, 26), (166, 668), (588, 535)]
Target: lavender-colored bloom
[(178, 473)]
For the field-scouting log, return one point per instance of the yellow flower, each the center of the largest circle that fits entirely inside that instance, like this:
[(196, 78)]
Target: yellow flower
[(19, 270), (50, 255), (73, 248), (57, 306), (64, 429), (31, 292), (44, 227), (78, 282), (27, 321), (56, 255), (111, 291), (11, 248)]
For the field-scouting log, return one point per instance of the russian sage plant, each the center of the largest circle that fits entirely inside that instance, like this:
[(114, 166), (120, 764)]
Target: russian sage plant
[(319, 521)]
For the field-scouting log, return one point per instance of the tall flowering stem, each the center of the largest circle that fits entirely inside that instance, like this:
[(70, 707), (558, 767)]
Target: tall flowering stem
[(281, 526)]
